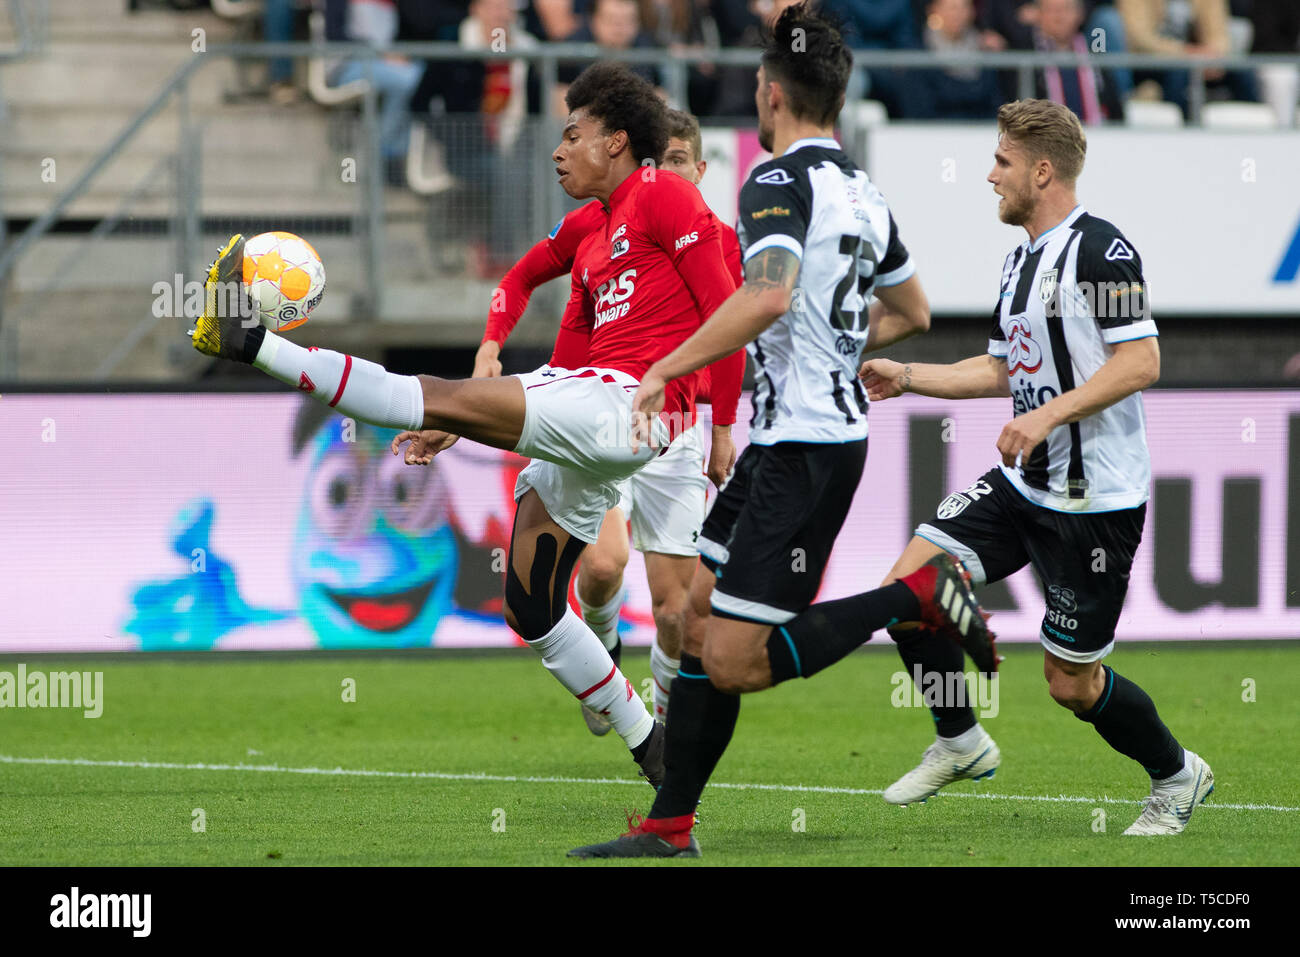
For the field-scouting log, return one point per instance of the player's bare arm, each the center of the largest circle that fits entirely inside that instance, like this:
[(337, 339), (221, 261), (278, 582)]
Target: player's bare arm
[(978, 377), (1134, 366), (763, 298), (898, 313)]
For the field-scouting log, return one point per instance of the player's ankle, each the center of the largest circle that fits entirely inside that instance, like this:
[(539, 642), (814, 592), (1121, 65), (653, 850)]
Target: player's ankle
[(674, 830)]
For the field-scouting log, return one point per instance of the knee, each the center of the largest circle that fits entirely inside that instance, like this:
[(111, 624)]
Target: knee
[(732, 675), (530, 617), (1073, 691), (670, 616), (603, 568)]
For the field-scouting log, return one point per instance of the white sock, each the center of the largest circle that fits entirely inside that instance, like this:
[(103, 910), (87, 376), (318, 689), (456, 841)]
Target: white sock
[(572, 652), (357, 388), (965, 741), (664, 670), (603, 619), (1179, 778)]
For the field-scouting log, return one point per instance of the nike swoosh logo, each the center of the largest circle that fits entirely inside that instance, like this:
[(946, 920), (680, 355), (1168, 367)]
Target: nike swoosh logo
[(965, 768)]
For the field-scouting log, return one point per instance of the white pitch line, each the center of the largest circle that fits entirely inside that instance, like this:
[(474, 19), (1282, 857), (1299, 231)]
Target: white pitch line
[(522, 779)]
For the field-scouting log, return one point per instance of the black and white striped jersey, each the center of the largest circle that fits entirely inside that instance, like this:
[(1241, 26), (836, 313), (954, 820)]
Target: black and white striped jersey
[(1067, 298), (816, 203)]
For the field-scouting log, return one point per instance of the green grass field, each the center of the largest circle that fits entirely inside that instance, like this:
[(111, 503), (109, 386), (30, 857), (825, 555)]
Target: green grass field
[(814, 751)]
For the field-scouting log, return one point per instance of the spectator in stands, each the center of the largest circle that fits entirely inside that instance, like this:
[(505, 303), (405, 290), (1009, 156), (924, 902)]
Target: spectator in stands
[(555, 20), (482, 122), (883, 25), (679, 26), (277, 27), (613, 25), (395, 78), (1195, 28), (741, 24), (958, 93), (1089, 92), (1016, 22)]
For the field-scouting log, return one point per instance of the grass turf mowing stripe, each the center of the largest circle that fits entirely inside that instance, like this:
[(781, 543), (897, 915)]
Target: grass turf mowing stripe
[(521, 779)]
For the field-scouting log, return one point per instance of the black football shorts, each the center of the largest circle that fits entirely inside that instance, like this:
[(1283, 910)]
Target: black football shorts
[(769, 534), (1082, 559)]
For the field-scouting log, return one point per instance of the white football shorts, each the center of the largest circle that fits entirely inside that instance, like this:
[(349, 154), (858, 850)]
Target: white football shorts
[(578, 432), (665, 500)]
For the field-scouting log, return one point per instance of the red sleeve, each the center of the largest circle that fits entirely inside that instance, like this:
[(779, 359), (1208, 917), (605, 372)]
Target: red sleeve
[(720, 384), (549, 259)]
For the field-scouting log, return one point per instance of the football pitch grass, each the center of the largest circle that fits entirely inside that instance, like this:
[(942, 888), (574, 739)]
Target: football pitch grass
[(484, 760)]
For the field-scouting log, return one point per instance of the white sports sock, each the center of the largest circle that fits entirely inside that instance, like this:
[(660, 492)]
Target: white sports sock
[(664, 670), (1178, 778), (357, 388), (572, 652), (965, 741), (603, 619)]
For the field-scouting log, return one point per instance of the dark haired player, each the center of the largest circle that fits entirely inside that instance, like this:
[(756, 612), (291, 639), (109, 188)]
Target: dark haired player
[(1073, 345), (646, 280), (817, 239), (665, 501)]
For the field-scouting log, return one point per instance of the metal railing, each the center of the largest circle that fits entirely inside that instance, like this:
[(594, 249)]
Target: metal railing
[(542, 206)]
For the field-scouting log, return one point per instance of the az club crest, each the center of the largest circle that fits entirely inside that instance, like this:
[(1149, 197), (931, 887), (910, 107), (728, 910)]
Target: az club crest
[(1047, 285)]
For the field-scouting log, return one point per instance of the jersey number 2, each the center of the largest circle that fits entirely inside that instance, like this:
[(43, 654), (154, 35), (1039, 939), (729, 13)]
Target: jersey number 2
[(859, 278)]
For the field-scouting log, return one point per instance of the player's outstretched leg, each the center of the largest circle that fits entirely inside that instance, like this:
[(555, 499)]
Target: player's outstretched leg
[(1126, 717), (490, 411)]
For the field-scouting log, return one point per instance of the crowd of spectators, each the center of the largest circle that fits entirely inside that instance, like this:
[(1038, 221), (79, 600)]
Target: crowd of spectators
[(506, 91)]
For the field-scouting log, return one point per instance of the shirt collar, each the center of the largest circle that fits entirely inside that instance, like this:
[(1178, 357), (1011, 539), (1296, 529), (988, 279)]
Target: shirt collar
[(1041, 241), (825, 141), (621, 191)]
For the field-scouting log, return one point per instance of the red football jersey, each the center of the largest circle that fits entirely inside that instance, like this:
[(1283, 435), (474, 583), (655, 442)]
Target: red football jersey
[(649, 277)]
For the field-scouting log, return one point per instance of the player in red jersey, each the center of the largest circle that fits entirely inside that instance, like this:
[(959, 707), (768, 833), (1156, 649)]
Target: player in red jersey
[(649, 276), (666, 500)]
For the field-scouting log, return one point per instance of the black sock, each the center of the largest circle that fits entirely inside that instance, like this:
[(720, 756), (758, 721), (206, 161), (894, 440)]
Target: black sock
[(1125, 716), (701, 720), (252, 343), (926, 653), (828, 631)]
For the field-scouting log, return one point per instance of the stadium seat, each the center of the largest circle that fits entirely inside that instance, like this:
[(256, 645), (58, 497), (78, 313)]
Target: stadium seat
[(1232, 115), (1152, 114), (236, 9), (869, 113), (317, 81), (424, 178)]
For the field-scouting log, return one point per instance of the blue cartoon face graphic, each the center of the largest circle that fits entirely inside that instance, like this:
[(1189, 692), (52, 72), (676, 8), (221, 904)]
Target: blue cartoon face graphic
[(375, 558)]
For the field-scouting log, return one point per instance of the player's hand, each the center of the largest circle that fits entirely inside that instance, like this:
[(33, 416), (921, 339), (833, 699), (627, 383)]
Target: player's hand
[(884, 378), (424, 445), (722, 456), (1022, 434), (647, 403), (487, 364)]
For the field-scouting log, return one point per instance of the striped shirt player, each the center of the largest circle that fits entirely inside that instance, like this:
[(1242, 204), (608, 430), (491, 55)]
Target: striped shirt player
[(808, 433), (1066, 299), (1072, 345)]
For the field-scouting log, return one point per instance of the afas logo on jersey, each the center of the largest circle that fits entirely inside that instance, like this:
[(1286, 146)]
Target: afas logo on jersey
[(612, 296), (1023, 353), (775, 177), (684, 241)]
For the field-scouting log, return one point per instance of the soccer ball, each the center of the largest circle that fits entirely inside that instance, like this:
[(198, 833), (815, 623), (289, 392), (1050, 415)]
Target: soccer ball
[(285, 279)]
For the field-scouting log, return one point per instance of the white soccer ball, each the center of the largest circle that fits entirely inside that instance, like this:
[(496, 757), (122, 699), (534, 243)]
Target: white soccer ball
[(285, 278)]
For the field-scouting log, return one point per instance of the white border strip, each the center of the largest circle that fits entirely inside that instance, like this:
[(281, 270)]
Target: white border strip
[(637, 782)]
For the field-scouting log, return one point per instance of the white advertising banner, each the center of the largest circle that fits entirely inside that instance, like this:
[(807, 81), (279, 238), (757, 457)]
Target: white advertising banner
[(1215, 215)]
